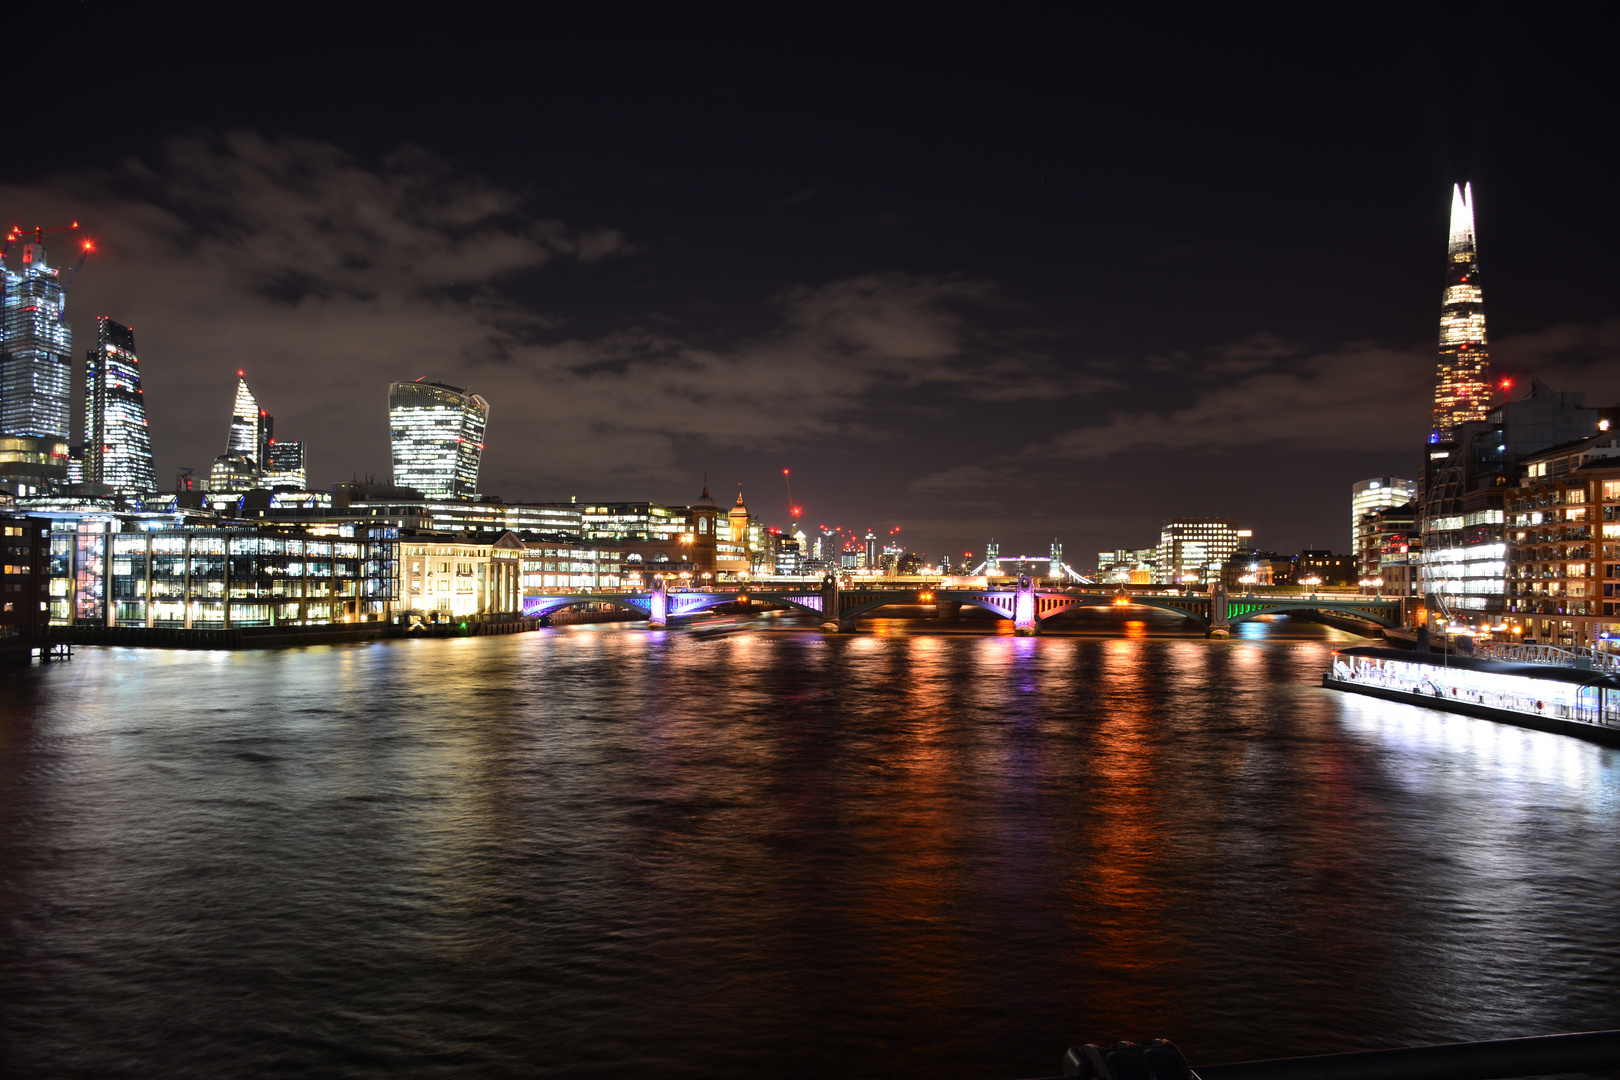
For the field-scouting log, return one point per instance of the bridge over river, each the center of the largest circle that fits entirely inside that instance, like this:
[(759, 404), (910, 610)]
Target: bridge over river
[(1026, 604)]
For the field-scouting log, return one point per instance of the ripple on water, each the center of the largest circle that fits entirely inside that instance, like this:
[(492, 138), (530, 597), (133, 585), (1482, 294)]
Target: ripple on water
[(594, 850)]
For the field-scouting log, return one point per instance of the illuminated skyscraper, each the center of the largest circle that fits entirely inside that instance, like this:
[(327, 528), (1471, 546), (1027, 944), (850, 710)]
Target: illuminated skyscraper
[(117, 445), (1462, 390), (284, 466), (36, 353), (250, 434), (438, 436), (1368, 495)]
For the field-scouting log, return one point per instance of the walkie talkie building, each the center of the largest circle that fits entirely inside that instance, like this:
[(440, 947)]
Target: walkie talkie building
[(1462, 389), (438, 437)]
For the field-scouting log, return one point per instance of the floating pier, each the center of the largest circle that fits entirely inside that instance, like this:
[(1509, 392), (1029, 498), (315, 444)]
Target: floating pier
[(1583, 702)]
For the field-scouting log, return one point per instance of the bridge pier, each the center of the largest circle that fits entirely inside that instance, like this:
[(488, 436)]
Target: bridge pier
[(831, 620), (1219, 625), (658, 616), (947, 609), (1026, 619)]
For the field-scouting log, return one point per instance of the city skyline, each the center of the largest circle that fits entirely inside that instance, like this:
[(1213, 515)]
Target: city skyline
[(1050, 367)]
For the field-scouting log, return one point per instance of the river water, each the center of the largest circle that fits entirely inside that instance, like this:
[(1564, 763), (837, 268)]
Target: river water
[(602, 851)]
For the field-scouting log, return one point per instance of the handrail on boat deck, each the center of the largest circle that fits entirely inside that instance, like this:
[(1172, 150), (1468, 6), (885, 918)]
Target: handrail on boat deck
[(1500, 1059)]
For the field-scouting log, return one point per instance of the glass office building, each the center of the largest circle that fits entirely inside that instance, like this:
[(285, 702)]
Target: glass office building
[(1462, 389), (249, 425), (1369, 495), (152, 575), (438, 437), (117, 445), (36, 355), (284, 466), (1192, 550)]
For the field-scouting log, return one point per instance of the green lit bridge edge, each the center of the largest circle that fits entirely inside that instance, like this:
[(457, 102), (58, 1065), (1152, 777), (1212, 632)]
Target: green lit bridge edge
[(853, 603)]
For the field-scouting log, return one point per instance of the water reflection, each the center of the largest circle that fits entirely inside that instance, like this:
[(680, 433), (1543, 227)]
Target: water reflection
[(598, 850)]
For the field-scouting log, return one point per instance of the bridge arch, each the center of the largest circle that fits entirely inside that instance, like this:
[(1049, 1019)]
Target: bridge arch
[(1349, 609), (545, 605)]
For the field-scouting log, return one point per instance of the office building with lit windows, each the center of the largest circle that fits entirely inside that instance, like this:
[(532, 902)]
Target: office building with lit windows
[(284, 466), (36, 353), (242, 464), (1465, 483), (1369, 495), (438, 438), (1192, 550), (1462, 389), (117, 444), (1563, 544), (250, 434)]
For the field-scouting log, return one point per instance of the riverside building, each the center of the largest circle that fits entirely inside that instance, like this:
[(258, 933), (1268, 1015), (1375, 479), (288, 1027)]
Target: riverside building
[(152, 570), (1563, 544), (1192, 550), (457, 577), (1369, 495), (1465, 483), (438, 438)]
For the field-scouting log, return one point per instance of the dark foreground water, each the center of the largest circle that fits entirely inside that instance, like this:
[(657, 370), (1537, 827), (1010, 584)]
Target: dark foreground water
[(600, 851)]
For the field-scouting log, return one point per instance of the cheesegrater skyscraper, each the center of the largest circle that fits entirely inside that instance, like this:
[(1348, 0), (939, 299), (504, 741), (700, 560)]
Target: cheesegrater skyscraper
[(1462, 389), (117, 445)]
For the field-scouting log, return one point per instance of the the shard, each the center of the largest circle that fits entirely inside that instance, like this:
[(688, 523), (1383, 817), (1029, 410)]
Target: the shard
[(1462, 388)]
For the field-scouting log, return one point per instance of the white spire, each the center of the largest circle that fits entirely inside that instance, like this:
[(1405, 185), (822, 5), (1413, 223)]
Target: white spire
[(244, 421), (1462, 217)]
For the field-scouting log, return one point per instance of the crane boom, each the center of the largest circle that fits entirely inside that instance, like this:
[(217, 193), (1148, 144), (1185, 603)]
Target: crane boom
[(793, 511)]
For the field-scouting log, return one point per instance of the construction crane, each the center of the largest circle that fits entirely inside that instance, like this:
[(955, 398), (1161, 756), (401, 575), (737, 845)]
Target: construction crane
[(793, 511), (17, 232)]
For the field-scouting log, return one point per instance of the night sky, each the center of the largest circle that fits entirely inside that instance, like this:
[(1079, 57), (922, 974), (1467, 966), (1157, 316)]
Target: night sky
[(1046, 276)]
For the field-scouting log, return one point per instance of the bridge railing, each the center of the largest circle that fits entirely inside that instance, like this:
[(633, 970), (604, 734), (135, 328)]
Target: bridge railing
[(1529, 652)]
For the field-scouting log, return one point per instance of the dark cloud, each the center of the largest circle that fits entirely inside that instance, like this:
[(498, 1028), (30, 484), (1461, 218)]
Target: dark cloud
[(325, 278)]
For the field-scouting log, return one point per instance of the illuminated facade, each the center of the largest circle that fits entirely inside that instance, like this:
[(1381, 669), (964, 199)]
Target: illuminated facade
[(36, 353), (1465, 481), (1369, 495), (249, 425), (117, 445), (732, 556), (457, 577), (1127, 566), (1462, 390), (438, 437), (1193, 550), (563, 567), (681, 542), (232, 473), (284, 466), (145, 570), (1563, 544)]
